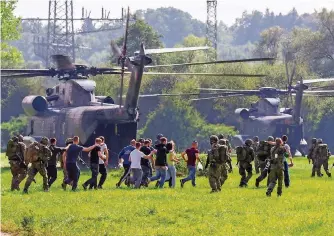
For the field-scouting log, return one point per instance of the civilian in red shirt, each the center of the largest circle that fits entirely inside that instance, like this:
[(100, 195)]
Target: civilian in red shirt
[(192, 156)]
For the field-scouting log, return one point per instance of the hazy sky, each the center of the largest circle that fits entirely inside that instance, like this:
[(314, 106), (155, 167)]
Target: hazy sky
[(228, 10)]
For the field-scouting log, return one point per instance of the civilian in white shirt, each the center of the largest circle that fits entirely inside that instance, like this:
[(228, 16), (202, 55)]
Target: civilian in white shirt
[(103, 163), (135, 159)]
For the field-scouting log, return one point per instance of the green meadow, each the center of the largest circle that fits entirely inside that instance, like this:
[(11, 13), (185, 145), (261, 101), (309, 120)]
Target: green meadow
[(306, 208)]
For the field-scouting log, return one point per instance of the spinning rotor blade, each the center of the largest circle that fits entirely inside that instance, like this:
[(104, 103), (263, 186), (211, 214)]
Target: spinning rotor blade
[(178, 94), (212, 62), (311, 81), (169, 50), (23, 75), (223, 96), (205, 74)]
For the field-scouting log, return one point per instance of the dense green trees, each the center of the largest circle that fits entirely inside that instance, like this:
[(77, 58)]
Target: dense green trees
[(308, 38)]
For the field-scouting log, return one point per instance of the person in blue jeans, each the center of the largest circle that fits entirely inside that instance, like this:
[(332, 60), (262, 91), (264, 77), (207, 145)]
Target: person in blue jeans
[(286, 166), (192, 156), (161, 164)]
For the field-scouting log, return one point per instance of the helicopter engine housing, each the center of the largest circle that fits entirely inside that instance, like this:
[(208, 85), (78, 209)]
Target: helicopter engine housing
[(243, 113), (33, 105)]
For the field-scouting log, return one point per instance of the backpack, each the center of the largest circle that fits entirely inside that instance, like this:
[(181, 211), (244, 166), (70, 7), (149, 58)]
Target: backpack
[(263, 151), (32, 153), (323, 151), (12, 149), (214, 154), (241, 153)]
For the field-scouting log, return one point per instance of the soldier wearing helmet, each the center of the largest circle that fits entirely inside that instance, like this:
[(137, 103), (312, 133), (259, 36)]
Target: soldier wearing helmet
[(255, 146), (322, 155), (263, 156), (245, 156), (276, 167), (224, 141), (15, 153), (39, 165), (216, 159), (311, 155)]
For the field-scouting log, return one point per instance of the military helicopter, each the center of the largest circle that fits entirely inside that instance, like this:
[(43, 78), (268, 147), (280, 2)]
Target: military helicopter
[(265, 117), (71, 107)]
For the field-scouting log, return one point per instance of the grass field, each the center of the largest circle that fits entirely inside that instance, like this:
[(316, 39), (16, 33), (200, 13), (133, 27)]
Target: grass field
[(306, 208)]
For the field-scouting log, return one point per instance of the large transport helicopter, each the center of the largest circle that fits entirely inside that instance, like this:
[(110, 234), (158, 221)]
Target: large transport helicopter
[(265, 117), (71, 107)]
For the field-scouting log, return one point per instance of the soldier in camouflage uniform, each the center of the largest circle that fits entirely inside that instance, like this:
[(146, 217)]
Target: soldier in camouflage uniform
[(264, 163), (245, 163), (322, 155), (217, 157), (255, 147), (311, 155), (15, 153), (39, 166), (276, 168), (223, 141)]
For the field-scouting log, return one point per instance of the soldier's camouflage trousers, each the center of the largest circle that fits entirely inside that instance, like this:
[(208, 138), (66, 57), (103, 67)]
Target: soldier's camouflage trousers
[(319, 163), (314, 167), (276, 174), (243, 167), (223, 176), (257, 165), (264, 172), (36, 167), (215, 176), (19, 173)]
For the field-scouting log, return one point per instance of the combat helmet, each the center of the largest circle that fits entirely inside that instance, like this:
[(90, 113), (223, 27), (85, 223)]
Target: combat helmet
[(271, 139), (20, 137), (213, 139), (44, 141), (248, 142), (159, 136), (15, 139), (319, 140), (256, 138), (222, 141), (221, 136), (314, 140), (69, 141)]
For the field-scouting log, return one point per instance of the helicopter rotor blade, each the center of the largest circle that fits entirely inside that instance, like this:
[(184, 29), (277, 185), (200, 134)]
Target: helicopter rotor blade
[(205, 74), (211, 98), (180, 94), (311, 81), (212, 62), (170, 50), (23, 75)]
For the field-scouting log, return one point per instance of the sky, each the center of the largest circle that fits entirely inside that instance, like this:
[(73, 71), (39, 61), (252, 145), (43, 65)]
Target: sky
[(227, 10)]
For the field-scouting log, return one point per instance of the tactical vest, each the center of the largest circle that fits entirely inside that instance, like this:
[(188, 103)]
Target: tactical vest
[(13, 149), (322, 151), (263, 151), (216, 154), (241, 153), (277, 156)]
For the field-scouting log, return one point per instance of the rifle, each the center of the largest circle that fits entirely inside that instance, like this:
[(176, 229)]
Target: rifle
[(82, 161)]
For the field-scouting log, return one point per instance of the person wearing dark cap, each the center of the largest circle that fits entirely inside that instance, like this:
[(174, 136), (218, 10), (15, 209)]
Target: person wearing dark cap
[(159, 136), (192, 156)]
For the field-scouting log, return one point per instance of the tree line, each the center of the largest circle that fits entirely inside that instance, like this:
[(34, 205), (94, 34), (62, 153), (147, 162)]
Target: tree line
[(307, 37)]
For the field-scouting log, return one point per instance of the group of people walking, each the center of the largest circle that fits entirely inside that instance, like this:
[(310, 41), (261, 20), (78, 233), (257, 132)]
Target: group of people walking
[(141, 158)]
